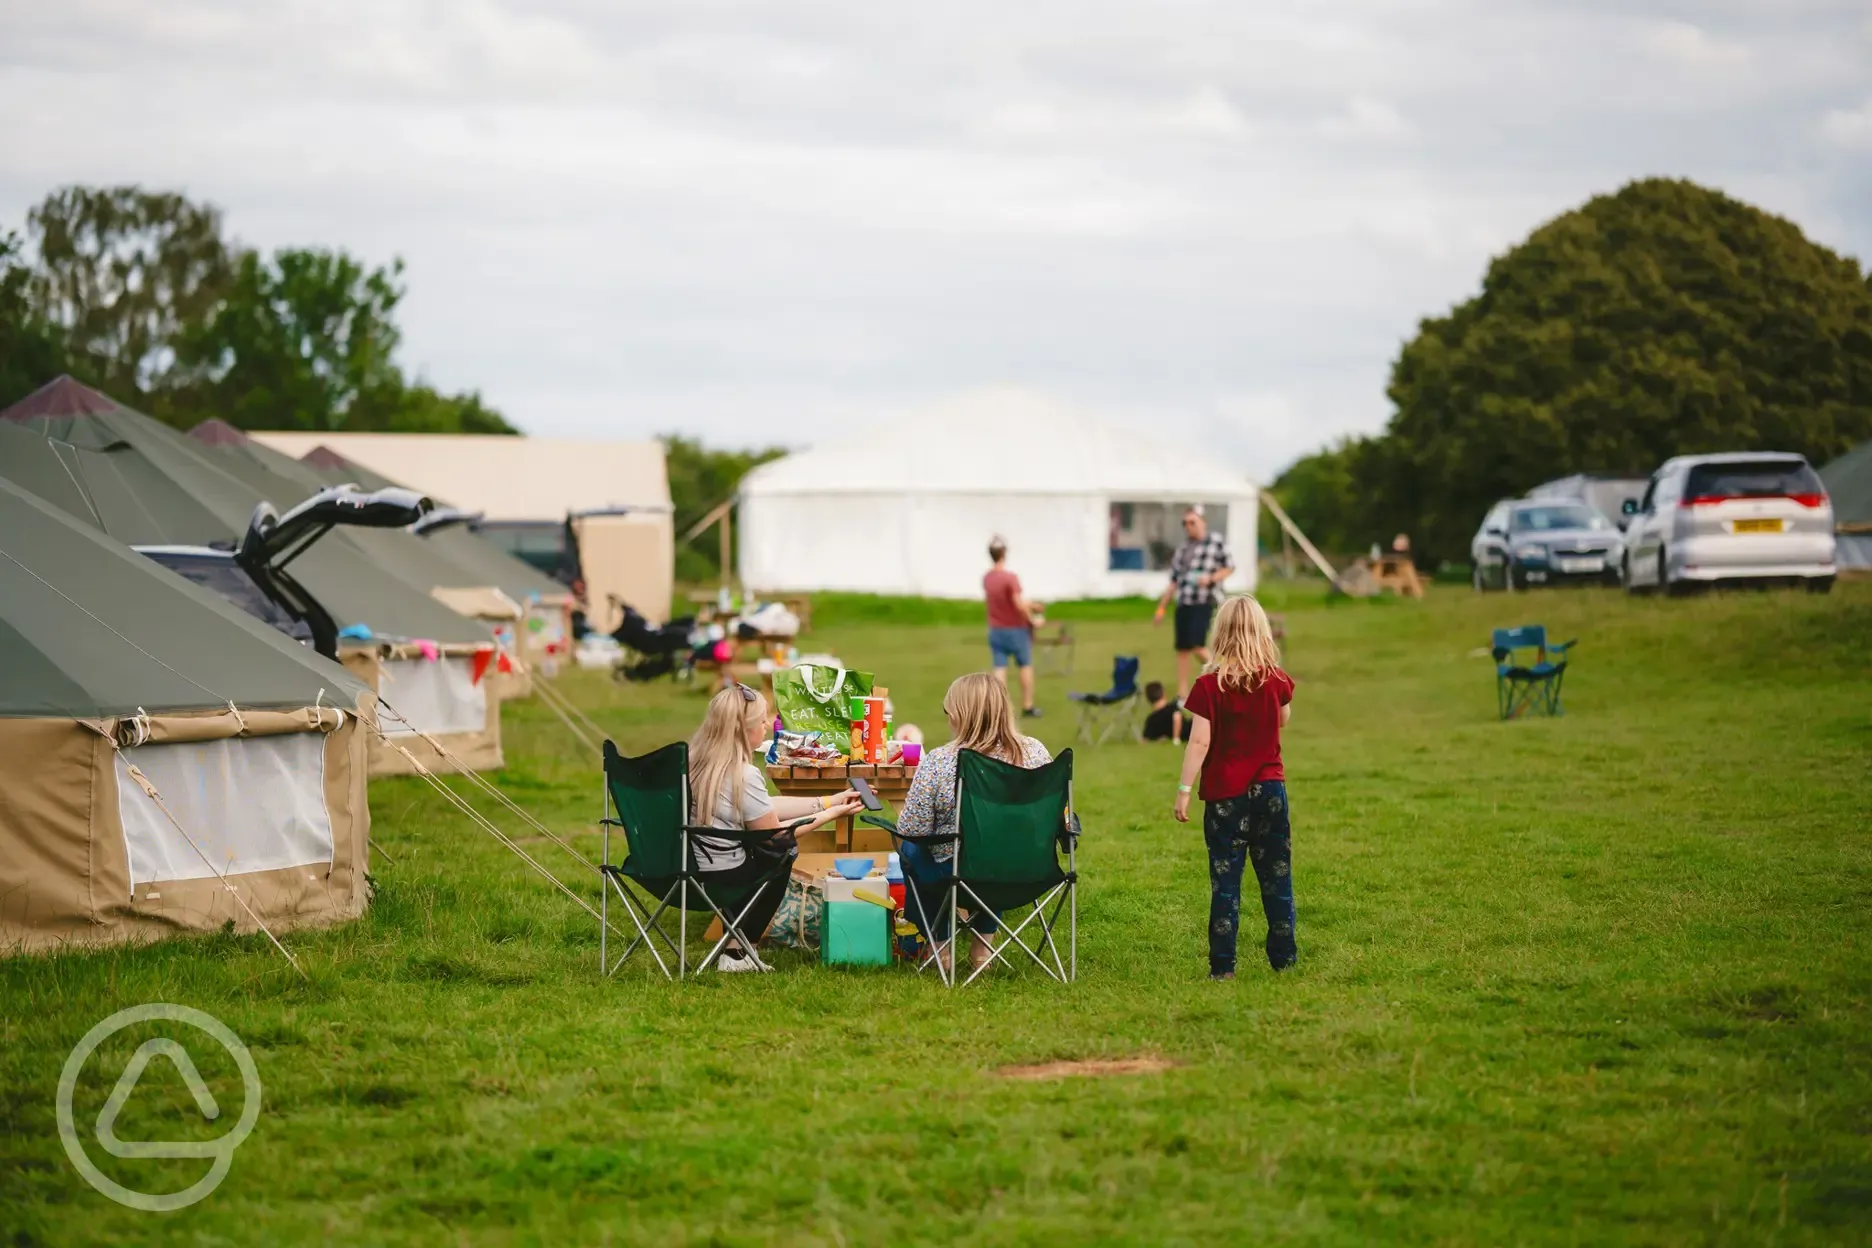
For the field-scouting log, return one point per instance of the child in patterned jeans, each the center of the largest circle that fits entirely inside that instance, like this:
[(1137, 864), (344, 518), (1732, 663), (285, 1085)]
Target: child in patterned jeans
[(1237, 709)]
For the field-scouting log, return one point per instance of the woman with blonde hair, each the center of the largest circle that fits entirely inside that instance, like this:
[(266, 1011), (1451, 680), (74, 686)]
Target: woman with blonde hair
[(1237, 709), (727, 791), (980, 719)]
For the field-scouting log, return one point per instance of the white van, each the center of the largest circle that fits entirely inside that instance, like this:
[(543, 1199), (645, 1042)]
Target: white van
[(1739, 517)]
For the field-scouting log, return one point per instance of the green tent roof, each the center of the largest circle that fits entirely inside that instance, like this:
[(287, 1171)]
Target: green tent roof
[(90, 628), (145, 483), (1849, 484)]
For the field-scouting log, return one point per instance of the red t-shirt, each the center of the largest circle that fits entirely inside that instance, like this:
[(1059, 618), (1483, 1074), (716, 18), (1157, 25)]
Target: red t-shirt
[(1003, 590), (1244, 732)]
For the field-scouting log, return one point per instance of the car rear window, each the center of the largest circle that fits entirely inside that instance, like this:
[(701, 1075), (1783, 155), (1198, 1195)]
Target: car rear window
[(230, 580), (1559, 516), (1768, 478)]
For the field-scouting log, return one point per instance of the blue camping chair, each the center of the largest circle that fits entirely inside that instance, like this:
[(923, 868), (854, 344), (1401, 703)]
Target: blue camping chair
[(1104, 715), (1522, 686)]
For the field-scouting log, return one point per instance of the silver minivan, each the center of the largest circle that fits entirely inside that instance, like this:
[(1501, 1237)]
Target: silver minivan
[(1741, 517)]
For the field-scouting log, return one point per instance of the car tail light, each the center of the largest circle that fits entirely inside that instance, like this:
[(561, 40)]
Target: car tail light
[(1710, 500)]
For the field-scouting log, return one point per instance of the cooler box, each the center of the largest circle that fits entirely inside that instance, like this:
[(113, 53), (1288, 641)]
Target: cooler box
[(855, 933)]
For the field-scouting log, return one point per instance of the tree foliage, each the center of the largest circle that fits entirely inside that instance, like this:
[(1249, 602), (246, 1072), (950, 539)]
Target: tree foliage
[(121, 271), (700, 479), (1664, 319), (30, 350), (138, 292)]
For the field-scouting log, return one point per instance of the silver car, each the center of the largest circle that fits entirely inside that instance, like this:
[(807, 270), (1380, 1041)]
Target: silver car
[(1527, 542), (1740, 517)]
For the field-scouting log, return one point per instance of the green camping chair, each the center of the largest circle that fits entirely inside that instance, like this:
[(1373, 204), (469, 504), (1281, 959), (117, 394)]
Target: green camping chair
[(1012, 825), (650, 796)]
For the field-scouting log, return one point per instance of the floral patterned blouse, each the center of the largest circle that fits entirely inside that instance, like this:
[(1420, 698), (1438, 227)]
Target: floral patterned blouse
[(929, 809)]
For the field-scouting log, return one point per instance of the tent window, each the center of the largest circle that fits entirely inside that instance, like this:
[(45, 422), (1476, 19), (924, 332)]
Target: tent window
[(248, 803), (1145, 535), (440, 697)]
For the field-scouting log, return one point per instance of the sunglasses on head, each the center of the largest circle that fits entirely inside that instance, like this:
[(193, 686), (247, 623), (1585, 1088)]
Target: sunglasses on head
[(747, 694)]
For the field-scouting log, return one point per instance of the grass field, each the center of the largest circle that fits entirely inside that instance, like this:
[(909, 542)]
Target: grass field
[(1606, 978)]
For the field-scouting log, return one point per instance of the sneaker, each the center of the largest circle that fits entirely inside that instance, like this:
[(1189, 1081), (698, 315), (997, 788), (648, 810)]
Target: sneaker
[(1031, 712), (740, 964), (1219, 976)]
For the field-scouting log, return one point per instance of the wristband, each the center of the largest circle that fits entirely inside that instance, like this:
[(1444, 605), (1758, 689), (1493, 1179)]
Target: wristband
[(1183, 788), (825, 803)]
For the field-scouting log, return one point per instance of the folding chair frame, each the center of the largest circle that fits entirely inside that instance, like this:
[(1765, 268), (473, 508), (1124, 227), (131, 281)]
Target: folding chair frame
[(1065, 895), (645, 920), (1100, 721), (1055, 655), (1519, 690)]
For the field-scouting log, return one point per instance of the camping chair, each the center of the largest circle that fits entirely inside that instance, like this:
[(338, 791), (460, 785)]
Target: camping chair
[(1053, 656), (650, 796), (1535, 686), (1104, 715), (1012, 823)]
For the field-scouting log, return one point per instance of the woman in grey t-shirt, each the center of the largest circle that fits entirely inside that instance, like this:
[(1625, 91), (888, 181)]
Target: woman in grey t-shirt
[(728, 791)]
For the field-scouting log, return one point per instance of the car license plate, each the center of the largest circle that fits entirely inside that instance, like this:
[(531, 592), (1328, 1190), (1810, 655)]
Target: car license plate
[(1592, 564), (1756, 526)]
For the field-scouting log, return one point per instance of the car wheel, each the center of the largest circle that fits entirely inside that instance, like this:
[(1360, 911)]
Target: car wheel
[(1515, 578), (1820, 585)]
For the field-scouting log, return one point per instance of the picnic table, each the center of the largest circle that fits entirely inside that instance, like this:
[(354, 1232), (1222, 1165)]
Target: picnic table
[(890, 781)]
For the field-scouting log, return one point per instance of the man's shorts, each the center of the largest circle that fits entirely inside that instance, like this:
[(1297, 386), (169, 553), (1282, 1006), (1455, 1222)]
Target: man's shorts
[(1192, 625), (1011, 643)]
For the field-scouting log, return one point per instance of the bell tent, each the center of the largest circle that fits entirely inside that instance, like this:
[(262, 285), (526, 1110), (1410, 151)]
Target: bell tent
[(164, 752)]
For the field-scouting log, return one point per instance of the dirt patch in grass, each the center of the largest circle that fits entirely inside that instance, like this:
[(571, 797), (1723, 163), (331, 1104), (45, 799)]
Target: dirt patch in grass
[(1089, 1068)]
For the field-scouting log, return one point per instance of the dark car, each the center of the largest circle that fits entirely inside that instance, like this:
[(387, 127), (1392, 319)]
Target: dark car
[(1529, 542), (253, 575)]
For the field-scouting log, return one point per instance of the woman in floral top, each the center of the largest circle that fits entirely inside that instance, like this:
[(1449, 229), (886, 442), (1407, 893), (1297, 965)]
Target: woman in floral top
[(981, 720)]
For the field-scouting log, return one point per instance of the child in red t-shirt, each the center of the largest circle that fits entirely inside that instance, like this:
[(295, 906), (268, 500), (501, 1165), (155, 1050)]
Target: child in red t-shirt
[(1237, 709)]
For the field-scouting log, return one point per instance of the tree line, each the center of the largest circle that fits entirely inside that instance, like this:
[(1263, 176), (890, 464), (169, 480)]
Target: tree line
[(143, 295), (1665, 319)]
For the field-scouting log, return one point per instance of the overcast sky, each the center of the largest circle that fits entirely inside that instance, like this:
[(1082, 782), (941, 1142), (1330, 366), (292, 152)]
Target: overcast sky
[(765, 221)]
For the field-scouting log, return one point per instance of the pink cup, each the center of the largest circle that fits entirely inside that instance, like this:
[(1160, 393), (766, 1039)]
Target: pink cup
[(912, 753)]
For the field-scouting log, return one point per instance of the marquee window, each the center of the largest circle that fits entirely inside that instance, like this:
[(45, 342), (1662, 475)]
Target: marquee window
[(1145, 535)]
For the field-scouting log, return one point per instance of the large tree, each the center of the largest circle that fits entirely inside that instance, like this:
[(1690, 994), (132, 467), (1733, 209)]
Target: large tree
[(700, 479), (1664, 319), (120, 272)]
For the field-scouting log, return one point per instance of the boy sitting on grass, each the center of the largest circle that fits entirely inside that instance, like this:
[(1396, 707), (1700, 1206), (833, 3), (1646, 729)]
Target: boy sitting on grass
[(1166, 721)]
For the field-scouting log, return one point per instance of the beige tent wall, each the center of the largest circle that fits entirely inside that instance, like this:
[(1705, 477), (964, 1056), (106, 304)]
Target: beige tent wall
[(478, 751), (632, 556), (64, 869)]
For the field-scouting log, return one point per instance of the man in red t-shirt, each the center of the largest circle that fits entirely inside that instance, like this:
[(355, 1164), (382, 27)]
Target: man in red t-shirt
[(1010, 624)]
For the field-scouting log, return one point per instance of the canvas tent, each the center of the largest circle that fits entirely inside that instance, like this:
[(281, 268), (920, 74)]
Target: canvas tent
[(614, 497), (251, 743), (147, 484), (1848, 481), (908, 506)]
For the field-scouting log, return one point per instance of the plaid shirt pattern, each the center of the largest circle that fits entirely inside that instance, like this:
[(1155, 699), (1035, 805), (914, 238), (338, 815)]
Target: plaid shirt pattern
[(1195, 559)]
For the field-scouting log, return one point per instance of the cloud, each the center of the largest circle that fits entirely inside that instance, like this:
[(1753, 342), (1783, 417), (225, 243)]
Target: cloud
[(1850, 128), (766, 223)]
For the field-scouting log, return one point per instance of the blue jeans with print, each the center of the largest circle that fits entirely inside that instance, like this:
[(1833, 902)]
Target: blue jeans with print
[(1238, 830)]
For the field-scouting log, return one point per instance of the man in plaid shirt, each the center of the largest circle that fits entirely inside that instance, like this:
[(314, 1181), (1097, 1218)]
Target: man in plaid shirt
[(1197, 571)]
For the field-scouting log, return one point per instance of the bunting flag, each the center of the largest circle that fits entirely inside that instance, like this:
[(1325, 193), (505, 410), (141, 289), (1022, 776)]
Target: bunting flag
[(481, 660)]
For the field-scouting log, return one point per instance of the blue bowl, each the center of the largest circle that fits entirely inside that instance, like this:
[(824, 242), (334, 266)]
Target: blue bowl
[(853, 868)]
